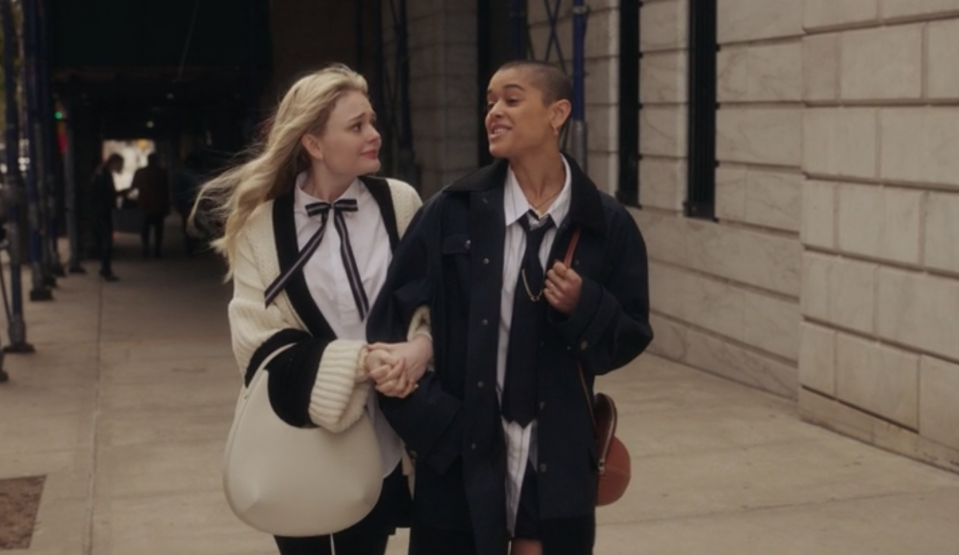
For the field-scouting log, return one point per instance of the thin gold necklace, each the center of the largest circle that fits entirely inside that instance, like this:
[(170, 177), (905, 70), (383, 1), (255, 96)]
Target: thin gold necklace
[(536, 207)]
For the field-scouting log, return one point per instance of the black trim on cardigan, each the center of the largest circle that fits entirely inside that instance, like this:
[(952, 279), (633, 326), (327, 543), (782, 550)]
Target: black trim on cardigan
[(277, 341), (380, 189), (287, 251), (292, 378)]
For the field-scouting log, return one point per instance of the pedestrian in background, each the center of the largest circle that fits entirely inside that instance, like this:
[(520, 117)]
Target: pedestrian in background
[(186, 185), (103, 198), (152, 184)]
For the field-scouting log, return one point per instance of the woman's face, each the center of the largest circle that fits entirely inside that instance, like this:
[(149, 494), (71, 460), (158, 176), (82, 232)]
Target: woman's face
[(517, 118), (350, 144)]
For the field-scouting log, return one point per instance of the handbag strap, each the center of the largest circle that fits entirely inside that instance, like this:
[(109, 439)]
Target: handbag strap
[(567, 261)]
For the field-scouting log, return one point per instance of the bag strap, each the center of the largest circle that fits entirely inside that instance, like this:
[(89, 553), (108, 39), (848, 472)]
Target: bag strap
[(567, 261)]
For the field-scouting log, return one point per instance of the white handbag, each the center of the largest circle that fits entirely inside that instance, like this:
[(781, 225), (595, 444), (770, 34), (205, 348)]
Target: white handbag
[(297, 482)]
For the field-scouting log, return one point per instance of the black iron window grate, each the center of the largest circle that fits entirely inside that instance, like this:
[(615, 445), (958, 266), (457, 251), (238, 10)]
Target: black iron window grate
[(627, 191), (701, 187)]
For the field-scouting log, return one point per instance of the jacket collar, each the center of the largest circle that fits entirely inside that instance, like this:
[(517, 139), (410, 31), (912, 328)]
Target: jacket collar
[(586, 203)]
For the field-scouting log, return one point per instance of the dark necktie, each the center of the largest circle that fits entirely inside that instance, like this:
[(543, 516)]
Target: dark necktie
[(323, 209), (519, 389)]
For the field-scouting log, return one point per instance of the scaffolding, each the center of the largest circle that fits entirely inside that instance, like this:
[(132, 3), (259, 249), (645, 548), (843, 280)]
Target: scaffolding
[(575, 137), (392, 97)]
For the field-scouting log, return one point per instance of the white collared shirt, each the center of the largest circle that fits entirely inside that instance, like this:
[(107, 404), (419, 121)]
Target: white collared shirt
[(329, 286), (520, 442)]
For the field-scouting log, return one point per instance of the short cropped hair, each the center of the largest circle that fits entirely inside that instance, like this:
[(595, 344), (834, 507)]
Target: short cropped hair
[(554, 84)]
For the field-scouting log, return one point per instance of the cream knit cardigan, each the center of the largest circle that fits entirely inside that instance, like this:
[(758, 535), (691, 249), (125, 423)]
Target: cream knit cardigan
[(341, 389)]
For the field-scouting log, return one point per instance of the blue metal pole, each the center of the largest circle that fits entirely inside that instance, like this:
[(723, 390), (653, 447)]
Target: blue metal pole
[(40, 291), (579, 90), (17, 328), (517, 16)]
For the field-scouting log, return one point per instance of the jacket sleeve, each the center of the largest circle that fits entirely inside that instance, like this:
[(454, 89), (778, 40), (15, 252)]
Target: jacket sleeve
[(610, 325), (312, 381), (428, 419)]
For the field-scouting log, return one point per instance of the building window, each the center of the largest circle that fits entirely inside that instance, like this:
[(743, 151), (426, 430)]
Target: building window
[(627, 191), (701, 187)]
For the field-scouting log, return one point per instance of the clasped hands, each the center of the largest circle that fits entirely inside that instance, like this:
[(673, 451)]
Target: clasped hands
[(396, 368)]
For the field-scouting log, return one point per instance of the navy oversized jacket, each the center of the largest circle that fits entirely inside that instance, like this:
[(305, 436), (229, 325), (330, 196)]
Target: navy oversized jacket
[(451, 259)]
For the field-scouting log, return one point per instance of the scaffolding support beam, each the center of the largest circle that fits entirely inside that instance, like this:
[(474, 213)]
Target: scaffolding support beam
[(34, 180), (48, 149), (14, 190), (579, 147), (517, 31)]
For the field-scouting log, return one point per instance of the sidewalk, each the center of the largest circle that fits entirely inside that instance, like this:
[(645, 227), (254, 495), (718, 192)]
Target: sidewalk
[(126, 404)]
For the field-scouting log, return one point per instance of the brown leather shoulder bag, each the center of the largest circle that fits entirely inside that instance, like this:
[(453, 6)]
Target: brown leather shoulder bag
[(613, 457)]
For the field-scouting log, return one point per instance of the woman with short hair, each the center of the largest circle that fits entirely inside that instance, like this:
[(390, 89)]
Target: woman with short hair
[(506, 453)]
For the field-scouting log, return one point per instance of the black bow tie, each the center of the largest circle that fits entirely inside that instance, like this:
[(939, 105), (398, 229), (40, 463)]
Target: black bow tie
[(323, 209)]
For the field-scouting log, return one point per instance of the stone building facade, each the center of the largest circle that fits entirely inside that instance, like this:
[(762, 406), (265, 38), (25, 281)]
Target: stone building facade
[(829, 270)]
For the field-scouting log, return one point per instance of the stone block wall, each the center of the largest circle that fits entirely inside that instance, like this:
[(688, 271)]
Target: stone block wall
[(831, 272), (725, 293), (880, 206), (443, 95)]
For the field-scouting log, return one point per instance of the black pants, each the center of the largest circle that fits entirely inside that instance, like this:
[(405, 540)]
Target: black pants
[(370, 535), (346, 544), (152, 221), (561, 536), (103, 236)]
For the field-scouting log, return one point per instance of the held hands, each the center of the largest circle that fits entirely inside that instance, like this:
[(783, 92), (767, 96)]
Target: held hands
[(562, 289), (395, 368)]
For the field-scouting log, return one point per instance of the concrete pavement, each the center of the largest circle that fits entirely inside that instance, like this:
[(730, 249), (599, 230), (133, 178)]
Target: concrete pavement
[(126, 404)]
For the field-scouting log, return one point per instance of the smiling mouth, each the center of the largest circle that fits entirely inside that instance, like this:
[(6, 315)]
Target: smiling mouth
[(498, 131)]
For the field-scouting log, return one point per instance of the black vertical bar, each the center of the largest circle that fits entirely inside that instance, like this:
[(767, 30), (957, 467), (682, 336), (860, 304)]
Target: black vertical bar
[(52, 181), (628, 190), (254, 92), (358, 33), (517, 16), (379, 90), (484, 68), (701, 188), (407, 158)]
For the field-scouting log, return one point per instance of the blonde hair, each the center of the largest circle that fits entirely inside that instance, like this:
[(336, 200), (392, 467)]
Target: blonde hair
[(305, 109)]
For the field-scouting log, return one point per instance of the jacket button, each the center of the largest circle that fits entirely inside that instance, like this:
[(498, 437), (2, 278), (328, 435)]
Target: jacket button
[(486, 261), (485, 322), (542, 405), (583, 345), (467, 244), (542, 468), (480, 385), (473, 447)]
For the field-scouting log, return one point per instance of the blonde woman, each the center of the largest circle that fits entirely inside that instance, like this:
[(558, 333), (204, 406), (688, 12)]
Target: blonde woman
[(309, 237)]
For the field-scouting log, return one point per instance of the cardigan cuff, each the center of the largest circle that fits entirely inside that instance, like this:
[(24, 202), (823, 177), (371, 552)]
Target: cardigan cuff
[(337, 399), (420, 324)]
